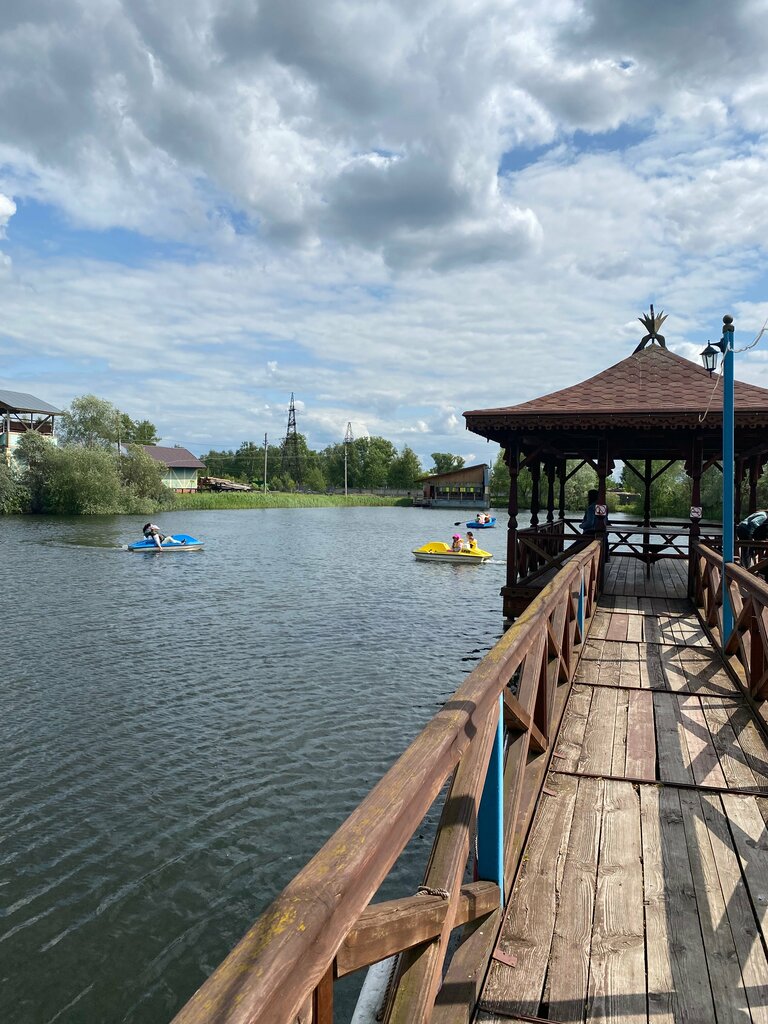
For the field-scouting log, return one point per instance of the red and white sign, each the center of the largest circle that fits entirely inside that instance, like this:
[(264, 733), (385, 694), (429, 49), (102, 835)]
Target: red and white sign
[(601, 510), (695, 511)]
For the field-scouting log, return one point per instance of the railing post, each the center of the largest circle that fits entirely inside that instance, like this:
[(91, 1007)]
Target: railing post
[(581, 605), (728, 472), (490, 816)]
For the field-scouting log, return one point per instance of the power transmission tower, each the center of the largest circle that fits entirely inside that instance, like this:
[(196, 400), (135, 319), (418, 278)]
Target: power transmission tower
[(348, 439), (291, 455)]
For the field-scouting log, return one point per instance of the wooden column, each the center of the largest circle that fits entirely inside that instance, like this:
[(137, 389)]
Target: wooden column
[(550, 471), (754, 476), (535, 478), (647, 481), (737, 482), (696, 465), (562, 472), (603, 471), (512, 459)]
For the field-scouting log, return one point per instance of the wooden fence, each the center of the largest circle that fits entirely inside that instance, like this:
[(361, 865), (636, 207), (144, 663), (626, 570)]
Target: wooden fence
[(748, 593), (323, 925)]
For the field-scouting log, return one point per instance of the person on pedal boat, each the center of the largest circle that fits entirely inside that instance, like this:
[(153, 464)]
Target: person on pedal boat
[(152, 532)]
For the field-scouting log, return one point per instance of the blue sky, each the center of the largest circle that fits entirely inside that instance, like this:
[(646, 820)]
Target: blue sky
[(396, 213)]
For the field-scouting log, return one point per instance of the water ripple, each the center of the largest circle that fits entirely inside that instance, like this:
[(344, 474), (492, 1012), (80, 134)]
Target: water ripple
[(178, 736)]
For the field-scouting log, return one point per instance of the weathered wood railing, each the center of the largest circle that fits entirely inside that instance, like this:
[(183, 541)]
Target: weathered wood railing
[(537, 545), (323, 925), (748, 640)]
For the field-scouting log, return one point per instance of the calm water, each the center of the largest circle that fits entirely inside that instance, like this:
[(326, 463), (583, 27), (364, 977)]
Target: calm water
[(180, 733)]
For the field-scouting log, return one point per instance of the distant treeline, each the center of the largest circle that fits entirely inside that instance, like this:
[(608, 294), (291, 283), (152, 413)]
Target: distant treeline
[(371, 463)]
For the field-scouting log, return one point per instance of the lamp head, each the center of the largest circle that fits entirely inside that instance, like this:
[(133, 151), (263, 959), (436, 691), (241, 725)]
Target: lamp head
[(709, 357)]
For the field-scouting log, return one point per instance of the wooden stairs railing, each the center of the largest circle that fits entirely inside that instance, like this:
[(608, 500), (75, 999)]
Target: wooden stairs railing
[(492, 742)]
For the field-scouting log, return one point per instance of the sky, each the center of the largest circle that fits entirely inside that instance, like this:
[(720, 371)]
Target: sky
[(395, 211)]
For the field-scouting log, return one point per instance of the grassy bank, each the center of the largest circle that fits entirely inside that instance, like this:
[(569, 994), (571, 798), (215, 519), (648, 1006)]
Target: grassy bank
[(278, 499)]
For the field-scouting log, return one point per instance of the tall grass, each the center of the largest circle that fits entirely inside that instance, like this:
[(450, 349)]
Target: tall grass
[(277, 499)]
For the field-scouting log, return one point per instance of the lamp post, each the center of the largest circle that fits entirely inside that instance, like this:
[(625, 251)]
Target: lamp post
[(709, 358)]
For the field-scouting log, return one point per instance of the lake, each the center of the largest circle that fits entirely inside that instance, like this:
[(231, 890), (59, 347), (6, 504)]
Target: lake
[(181, 733)]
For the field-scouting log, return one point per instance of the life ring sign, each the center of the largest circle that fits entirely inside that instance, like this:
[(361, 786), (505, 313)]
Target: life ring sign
[(695, 511), (601, 510)]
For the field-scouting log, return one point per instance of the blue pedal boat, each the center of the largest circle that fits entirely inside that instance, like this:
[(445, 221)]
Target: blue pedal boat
[(174, 542)]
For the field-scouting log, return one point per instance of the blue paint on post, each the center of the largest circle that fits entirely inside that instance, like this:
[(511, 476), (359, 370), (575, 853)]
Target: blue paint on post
[(728, 473), (490, 816)]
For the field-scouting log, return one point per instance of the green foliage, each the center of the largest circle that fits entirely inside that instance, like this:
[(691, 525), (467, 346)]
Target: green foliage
[(670, 492), (95, 423), (445, 463), (275, 499), (90, 421), (575, 489), (142, 476), (140, 432), (13, 495), (81, 480), (404, 470)]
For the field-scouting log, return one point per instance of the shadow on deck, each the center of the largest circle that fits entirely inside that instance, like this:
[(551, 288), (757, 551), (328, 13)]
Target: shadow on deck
[(642, 894)]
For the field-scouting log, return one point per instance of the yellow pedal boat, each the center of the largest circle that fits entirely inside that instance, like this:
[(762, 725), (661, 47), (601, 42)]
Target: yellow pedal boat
[(439, 551)]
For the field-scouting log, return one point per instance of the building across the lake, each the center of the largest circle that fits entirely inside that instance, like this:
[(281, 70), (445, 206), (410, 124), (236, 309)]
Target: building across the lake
[(21, 413), (181, 466), (467, 488)]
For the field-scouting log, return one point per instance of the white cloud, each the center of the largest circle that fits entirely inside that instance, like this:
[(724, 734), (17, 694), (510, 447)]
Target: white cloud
[(332, 173)]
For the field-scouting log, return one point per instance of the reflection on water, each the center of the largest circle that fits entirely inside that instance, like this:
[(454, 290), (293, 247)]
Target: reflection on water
[(179, 734)]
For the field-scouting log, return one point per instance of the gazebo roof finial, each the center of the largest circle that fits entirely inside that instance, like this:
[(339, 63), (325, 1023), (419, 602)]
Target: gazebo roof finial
[(652, 323)]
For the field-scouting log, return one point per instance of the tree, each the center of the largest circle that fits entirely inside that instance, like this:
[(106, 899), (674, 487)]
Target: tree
[(499, 478), (142, 432), (404, 470), (444, 462), (91, 422), (141, 475), (13, 496)]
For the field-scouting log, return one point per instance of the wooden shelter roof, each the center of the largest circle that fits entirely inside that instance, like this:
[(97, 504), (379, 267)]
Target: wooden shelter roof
[(652, 388)]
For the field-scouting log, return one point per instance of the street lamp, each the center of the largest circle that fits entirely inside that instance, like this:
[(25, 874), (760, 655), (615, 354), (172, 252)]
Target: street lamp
[(709, 358)]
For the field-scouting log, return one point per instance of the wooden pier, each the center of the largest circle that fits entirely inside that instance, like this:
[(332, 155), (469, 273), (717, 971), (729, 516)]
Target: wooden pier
[(643, 890), (634, 885), (602, 852)]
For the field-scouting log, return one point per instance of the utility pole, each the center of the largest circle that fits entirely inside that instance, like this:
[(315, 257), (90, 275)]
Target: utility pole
[(291, 456), (265, 463), (348, 439)]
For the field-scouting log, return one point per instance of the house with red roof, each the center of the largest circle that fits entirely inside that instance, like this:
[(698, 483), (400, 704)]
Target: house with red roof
[(181, 466)]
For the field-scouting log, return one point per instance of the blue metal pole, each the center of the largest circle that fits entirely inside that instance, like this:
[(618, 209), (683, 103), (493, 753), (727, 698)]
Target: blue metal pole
[(728, 469), (490, 816)]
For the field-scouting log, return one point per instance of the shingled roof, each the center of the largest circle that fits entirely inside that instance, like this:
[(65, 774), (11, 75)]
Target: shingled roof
[(652, 387), (173, 458)]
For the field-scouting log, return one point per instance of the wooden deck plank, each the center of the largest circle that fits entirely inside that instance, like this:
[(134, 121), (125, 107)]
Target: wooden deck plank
[(617, 959), (530, 920), (568, 975), (673, 756), (571, 738), (617, 628), (597, 748), (661, 989), (704, 762), (732, 758), (704, 671), (619, 755), (749, 948), (689, 997), (750, 839), (726, 984), (751, 741), (641, 737)]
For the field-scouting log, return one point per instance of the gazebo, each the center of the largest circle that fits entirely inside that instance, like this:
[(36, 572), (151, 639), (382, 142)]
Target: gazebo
[(653, 405)]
